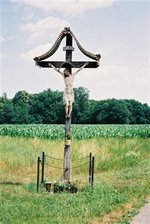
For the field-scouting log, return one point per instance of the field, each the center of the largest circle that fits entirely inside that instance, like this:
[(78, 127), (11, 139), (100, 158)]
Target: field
[(79, 132), (122, 172)]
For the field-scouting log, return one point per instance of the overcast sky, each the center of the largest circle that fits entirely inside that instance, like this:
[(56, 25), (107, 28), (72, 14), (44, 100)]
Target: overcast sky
[(117, 29)]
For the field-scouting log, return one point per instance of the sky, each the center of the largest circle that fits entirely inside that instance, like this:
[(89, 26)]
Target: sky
[(117, 29)]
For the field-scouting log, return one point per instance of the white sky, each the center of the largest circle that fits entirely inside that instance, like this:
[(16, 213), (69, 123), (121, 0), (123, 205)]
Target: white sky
[(117, 29)]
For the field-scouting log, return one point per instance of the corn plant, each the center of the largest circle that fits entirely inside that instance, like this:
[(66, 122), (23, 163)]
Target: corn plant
[(79, 132)]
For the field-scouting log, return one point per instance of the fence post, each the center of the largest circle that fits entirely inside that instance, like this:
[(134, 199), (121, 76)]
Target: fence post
[(90, 168), (43, 162), (92, 178), (38, 173)]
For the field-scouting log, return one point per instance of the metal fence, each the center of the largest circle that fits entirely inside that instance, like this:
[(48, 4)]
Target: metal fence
[(47, 161)]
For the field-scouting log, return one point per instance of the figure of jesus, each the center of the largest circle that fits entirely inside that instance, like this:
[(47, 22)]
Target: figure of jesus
[(68, 97)]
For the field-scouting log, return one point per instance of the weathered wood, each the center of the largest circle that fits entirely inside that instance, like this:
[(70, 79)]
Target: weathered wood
[(67, 162), (67, 128), (67, 149), (68, 51), (64, 64), (66, 33)]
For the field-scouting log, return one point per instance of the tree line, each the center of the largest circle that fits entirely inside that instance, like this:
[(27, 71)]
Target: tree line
[(47, 108)]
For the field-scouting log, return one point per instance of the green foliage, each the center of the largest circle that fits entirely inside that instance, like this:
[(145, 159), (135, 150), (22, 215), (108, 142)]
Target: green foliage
[(31, 187), (81, 111), (113, 112), (79, 132), (47, 108), (63, 186), (62, 208)]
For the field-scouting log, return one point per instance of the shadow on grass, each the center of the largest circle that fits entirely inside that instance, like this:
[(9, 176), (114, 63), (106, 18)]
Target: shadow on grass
[(11, 183)]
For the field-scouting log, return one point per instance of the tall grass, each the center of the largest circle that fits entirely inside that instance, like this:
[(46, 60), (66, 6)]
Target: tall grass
[(122, 173)]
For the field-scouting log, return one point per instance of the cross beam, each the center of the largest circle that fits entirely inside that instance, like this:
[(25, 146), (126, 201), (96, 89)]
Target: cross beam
[(64, 64)]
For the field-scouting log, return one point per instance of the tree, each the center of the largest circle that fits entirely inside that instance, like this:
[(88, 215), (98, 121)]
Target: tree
[(47, 107), (21, 97), (21, 102), (81, 105), (6, 110), (137, 112), (147, 113), (112, 112), (1, 111)]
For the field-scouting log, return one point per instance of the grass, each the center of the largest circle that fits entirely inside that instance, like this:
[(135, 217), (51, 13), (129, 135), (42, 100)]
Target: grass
[(122, 182)]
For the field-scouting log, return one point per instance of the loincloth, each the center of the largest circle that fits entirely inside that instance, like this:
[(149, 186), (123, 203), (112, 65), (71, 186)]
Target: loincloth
[(68, 98)]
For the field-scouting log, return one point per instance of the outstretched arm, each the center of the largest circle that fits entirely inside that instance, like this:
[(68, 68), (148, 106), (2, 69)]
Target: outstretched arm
[(56, 69), (83, 66)]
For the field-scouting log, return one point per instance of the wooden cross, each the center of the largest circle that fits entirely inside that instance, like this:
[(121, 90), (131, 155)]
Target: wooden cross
[(68, 64)]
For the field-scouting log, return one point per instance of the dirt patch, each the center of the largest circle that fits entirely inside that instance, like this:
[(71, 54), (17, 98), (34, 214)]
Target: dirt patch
[(118, 214), (3, 165), (114, 216)]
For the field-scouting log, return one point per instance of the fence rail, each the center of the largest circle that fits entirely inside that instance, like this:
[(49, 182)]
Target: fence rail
[(43, 161)]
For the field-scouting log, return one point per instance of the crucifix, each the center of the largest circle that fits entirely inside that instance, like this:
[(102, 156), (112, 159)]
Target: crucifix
[(68, 76)]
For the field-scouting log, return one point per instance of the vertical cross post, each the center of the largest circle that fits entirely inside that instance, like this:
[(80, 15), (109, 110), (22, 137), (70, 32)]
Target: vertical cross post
[(67, 148), (68, 64)]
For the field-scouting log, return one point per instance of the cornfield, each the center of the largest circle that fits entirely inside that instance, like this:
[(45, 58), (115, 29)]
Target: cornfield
[(79, 132)]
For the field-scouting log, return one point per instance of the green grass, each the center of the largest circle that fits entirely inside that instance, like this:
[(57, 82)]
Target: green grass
[(122, 182), (78, 208)]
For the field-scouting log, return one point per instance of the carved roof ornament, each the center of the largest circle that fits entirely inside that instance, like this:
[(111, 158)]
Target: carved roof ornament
[(64, 33)]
